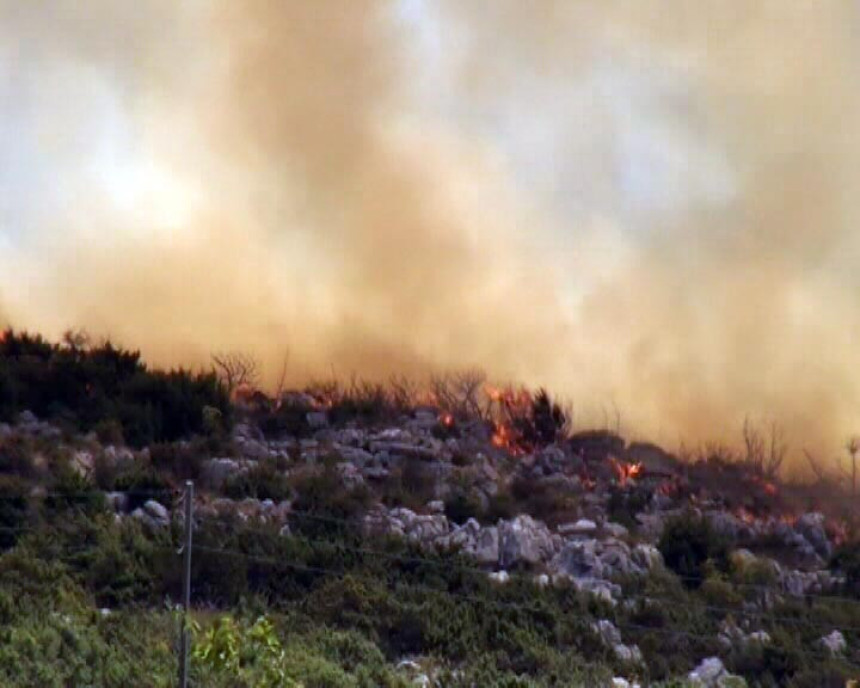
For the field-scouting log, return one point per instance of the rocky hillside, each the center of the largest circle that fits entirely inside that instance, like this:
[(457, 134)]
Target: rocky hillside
[(462, 537)]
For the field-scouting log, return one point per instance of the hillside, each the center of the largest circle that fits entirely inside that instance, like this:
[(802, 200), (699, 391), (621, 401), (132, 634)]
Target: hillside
[(366, 535)]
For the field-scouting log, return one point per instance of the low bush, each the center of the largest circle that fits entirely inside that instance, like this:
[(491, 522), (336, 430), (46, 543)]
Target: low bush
[(13, 509), (182, 460), (263, 481), (461, 505), (104, 388), (16, 456), (688, 544)]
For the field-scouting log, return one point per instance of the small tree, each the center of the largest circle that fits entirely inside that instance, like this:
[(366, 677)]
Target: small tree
[(236, 370), (764, 455)]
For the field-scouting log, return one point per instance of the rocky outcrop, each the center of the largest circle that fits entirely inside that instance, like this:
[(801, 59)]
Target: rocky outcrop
[(525, 541), (834, 643)]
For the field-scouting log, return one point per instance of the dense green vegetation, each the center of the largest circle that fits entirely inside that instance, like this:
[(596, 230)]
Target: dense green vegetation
[(104, 388), (339, 612)]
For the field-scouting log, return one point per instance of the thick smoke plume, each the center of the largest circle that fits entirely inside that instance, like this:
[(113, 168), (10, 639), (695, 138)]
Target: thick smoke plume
[(644, 206)]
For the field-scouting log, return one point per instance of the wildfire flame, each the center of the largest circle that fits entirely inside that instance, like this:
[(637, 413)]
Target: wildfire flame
[(768, 487), (624, 471), (447, 420)]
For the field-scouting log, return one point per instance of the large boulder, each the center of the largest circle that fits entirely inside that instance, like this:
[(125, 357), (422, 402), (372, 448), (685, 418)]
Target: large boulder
[(524, 541), (811, 527), (834, 643), (153, 514), (580, 560), (708, 673), (646, 557), (216, 472), (480, 543)]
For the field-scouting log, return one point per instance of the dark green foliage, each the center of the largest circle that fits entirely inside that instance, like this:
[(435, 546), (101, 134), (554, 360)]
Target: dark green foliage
[(502, 506), (13, 509), (325, 506), (290, 418), (548, 420), (543, 500), (847, 560), (410, 485), (625, 504), (182, 460), (72, 492), (103, 388), (688, 543), (460, 506), (142, 482), (263, 481), (16, 456)]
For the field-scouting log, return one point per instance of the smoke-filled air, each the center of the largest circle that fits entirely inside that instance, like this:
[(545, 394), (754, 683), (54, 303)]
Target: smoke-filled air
[(649, 207)]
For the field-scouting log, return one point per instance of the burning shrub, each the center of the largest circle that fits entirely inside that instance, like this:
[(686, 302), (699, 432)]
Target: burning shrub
[(688, 544), (526, 421)]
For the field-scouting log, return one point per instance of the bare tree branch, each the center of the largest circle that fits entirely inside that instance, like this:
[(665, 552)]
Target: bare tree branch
[(236, 370)]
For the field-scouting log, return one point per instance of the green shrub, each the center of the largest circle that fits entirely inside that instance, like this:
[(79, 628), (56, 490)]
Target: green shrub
[(847, 560), (461, 506), (182, 460), (625, 504), (109, 432), (104, 388), (688, 543), (16, 456), (13, 509), (73, 492), (142, 482), (263, 481)]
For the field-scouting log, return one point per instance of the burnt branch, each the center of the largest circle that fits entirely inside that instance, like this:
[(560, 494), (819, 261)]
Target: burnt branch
[(236, 370)]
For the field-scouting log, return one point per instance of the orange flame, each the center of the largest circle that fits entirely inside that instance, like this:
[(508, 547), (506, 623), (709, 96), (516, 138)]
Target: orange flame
[(447, 420), (625, 471)]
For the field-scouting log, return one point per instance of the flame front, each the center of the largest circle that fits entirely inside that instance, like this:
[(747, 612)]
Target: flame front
[(624, 471)]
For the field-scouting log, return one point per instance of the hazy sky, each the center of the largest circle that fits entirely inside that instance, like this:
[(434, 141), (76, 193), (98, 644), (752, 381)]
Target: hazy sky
[(651, 205)]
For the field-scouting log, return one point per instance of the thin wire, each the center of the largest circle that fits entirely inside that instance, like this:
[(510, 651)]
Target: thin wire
[(471, 598), (791, 621), (85, 492), (430, 562)]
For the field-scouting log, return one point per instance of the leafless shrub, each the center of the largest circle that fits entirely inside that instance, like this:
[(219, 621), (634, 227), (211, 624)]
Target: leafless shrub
[(404, 392), (764, 454), (460, 393), (818, 468), (236, 370), (77, 340)]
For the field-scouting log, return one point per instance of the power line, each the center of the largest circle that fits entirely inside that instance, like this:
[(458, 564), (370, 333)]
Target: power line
[(466, 597)]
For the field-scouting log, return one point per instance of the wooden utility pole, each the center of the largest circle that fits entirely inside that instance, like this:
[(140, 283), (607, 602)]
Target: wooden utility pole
[(186, 584)]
